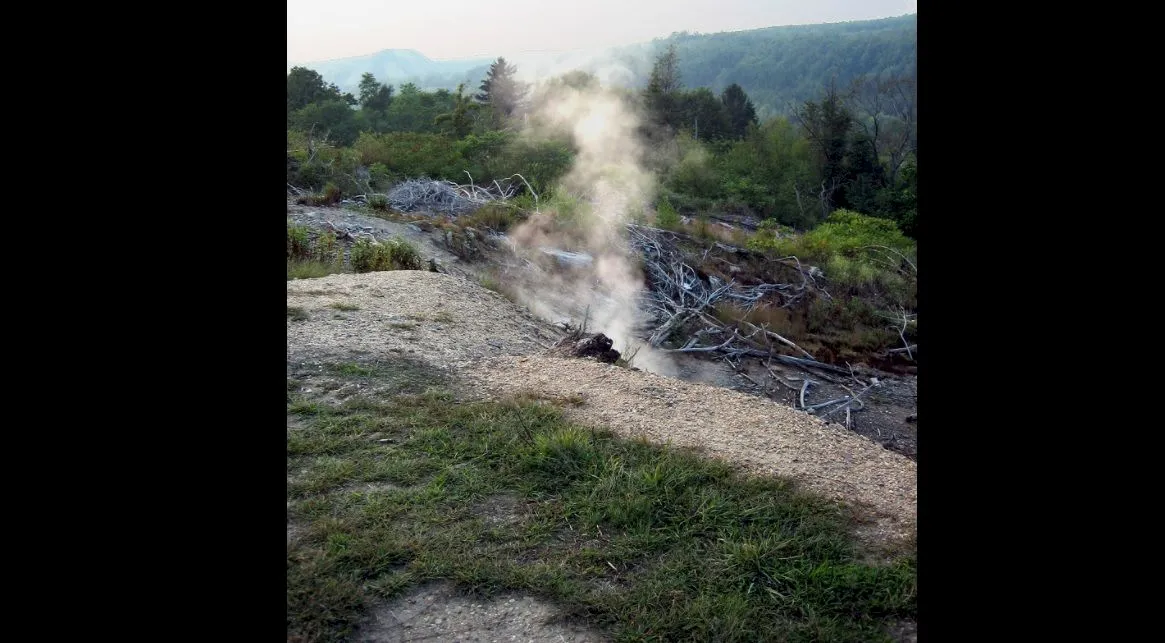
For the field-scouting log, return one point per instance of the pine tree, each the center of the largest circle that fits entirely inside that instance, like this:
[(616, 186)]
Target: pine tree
[(500, 90), (741, 111)]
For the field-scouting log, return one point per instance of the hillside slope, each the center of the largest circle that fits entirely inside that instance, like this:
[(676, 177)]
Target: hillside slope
[(774, 65)]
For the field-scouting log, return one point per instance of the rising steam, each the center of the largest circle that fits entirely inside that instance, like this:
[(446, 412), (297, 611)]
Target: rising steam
[(609, 178)]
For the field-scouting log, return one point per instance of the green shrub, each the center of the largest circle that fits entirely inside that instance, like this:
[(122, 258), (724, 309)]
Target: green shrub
[(394, 254), (411, 154), (541, 163), (297, 242), (492, 216), (381, 178), (695, 175), (378, 202), (326, 248), (844, 233), (666, 215)]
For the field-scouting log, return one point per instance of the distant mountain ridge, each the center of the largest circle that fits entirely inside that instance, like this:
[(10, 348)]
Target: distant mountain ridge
[(776, 66), (397, 66)]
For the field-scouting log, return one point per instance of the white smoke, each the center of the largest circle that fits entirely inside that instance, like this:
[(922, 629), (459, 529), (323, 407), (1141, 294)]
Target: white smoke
[(609, 176)]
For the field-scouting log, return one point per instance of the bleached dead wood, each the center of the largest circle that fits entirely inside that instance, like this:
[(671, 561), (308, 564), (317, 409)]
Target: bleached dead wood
[(448, 197)]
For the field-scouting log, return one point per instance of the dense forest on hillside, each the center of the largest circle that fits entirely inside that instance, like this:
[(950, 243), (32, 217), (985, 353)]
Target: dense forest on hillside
[(850, 147), (778, 67)]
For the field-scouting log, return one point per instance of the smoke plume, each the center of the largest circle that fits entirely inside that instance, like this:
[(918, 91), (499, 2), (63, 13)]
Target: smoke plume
[(605, 186)]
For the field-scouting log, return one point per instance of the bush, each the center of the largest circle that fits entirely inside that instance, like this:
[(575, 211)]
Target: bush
[(666, 216), (381, 178), (844, 233), (541, 163), (411, 154), (695, 175), (297, 242), (326, 249), (498, 217), (378, 202), (331, 195), (394, 254)]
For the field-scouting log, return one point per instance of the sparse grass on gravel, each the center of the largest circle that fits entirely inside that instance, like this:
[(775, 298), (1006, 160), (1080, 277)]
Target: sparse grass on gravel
[(645, 542)]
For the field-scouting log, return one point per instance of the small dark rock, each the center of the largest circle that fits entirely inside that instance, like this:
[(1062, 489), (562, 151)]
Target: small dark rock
[(596, 346)]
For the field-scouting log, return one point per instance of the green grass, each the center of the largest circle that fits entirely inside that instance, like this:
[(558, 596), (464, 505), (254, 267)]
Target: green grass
[(646, 542), (311, 268)]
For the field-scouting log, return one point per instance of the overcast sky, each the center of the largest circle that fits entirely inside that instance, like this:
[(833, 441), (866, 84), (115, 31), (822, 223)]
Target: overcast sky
[(446, 29)]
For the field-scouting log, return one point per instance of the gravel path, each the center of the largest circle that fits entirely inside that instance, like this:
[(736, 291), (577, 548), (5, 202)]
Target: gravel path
[(439, 318)]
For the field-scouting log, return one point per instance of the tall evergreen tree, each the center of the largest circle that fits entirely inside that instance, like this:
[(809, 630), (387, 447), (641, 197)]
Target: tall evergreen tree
[(500, 89), (741, 111), (663, 88), (827, 125)]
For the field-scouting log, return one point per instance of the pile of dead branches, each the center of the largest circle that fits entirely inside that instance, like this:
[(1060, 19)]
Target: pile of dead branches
[(680, 300), (678, 294), (447, 197)]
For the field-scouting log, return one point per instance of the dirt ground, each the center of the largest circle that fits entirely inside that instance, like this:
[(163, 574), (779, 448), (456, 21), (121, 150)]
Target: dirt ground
[(441, 613)]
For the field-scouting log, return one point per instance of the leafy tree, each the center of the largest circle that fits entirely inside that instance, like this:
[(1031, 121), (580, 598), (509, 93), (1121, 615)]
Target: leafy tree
[(865, 175), (886, 114), (306, 86), (665, 73), (500, 89), (374, 96), (827, 124), (413, 110), (458, 121), (740, 110), (576, 79), (662, 93), (703, 114), (771, 171), (334, 117)]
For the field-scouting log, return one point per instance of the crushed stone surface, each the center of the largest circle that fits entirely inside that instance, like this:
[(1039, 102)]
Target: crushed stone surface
[(440, 318)]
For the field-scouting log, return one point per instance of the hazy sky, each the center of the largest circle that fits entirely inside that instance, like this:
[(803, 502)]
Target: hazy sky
[(444, 29)]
